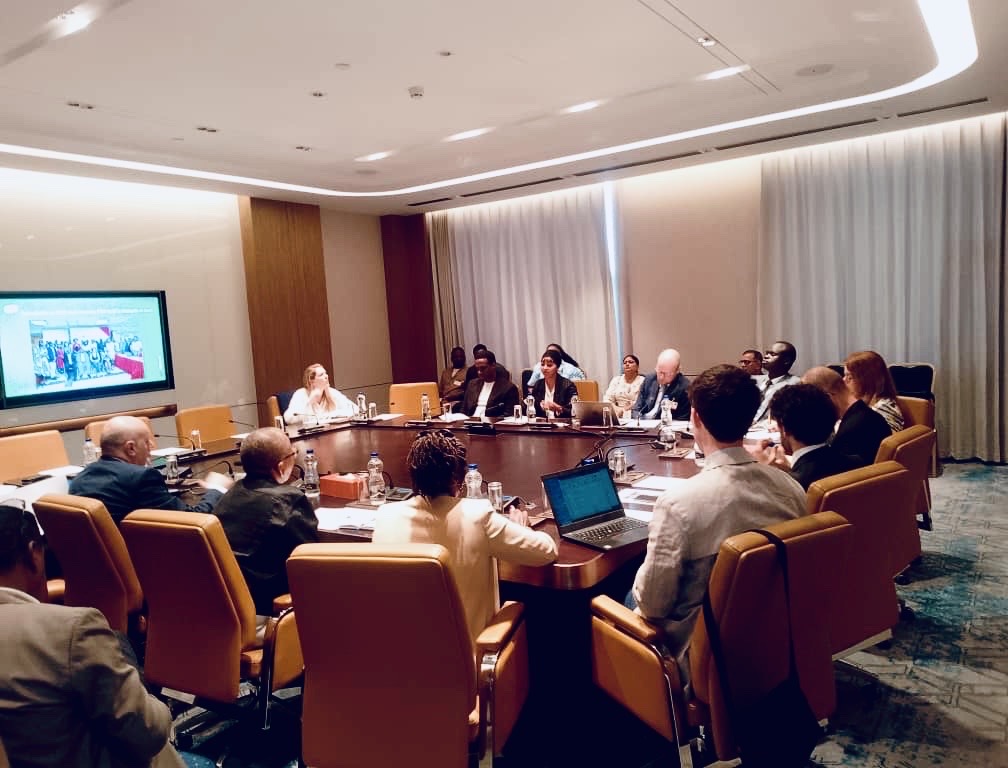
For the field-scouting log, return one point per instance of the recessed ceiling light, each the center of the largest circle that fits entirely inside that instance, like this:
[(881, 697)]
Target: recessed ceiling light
[(303, 148), (206, 129), (582, 107), (73, 20), (707, 42), (717, 74), (79, 105), (318, 94), (445, 54), (372, 157), (814, 70), (29, 237), (341, 65), (468, 134)]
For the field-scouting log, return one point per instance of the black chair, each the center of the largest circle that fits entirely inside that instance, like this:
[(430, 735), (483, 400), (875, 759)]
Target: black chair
[(284, 398), (526, 374), (838, 367), (913, 379)]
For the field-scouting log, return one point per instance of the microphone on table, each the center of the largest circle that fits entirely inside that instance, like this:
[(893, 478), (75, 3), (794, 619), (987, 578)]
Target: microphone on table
[(177, 437), (243, 424), (224, 462), (595, 454)]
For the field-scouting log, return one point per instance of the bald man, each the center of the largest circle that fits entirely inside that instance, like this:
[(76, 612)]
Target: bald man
[(264, 519), (666, 383), (122, 481), (861, 429)]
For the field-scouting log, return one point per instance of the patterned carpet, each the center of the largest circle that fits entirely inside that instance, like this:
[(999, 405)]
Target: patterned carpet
[(937, 696)]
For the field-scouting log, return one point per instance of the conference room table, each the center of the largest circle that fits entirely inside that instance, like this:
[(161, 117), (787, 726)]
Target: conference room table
[(556, 597)]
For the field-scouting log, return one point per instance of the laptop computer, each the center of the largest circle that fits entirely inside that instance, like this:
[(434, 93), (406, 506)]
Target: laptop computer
[(588, 510), (590, 412)]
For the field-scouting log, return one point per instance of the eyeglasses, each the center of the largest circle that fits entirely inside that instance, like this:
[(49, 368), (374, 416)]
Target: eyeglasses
[(290, 455)]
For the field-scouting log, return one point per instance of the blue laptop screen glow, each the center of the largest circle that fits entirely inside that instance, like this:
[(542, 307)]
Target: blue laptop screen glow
[(581, 493)]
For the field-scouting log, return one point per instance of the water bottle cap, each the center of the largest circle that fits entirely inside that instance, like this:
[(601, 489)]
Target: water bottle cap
[(88, 440), (473, 466), (374, 454), (310, 451)]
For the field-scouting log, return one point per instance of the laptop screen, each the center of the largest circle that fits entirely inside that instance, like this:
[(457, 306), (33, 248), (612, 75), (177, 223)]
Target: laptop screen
[(581, 493)]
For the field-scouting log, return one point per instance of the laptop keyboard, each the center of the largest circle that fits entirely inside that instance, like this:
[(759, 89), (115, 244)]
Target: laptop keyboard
[(606, 530)]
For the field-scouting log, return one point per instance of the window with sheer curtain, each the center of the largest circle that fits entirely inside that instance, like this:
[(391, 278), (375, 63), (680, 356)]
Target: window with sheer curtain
[(896, 243), (520, 274)]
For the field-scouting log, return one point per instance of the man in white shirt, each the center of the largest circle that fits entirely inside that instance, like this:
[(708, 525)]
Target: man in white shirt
[(491, 393), (777, 361)]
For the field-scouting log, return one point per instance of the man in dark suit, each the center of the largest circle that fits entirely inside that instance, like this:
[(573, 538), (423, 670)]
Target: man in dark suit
[(491, 393), (805, 416), (472, 373), (70, 693), (121, 480), (666, 383), (861, 430)]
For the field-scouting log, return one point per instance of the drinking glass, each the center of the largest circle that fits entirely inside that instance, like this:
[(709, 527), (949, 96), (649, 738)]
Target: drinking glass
[(635, 416), (607, 417), (495, 492), (518, 414), (372, 411), (197, 441)]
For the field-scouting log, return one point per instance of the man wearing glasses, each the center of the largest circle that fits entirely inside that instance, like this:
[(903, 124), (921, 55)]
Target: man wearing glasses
[(70, 694), (264, 519)]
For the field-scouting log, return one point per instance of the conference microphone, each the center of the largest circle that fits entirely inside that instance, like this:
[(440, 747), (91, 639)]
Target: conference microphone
[(595, 454), (223, 462), (178, 438), (243, 424)]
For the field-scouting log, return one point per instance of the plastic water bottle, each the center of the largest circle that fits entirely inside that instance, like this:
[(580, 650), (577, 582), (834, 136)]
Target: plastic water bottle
[(310, 482), (90, 452), (474, 482), (530, 410), (666, 434), (361, 406), (575, 421), (425, 413), (376, 480)]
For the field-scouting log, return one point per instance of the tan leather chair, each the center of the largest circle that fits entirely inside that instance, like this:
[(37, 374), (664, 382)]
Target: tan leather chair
[(747, 596), (877, 500), (4, 762), (213, 422), (587, 390), (94, 429), (385, 642), (913, 447), (96, 566), (273, 409), (919, 410), (201, 625), (405, 398), (30, 453)]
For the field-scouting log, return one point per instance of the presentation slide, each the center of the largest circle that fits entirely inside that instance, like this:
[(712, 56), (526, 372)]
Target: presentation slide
[(73, 345)]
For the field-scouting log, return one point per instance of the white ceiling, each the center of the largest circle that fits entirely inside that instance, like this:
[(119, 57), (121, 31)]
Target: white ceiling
[(155, 71)]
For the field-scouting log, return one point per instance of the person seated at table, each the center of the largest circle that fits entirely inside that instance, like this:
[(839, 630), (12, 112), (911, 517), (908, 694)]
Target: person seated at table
[(553, 392), (732, 494), (569, 367), (666, 383), (316, 399), (264, 519), (472, 373), (868, 378), (469, 529), (805, 417), (624, 389), (70, 692), (751, 361), (778, 361), (451, 386), (122, 481), (491, 393), (860, 430)]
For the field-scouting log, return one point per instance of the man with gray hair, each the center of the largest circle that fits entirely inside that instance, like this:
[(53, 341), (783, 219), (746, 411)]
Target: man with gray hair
[(666, 383), (122, 481), (861, 429), (264, 519)]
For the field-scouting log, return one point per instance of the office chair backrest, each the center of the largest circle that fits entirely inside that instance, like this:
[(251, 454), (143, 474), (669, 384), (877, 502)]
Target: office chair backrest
[(587, 389), (96, 566), (390, 676), (27, 454), (200, 613), (913, 379), (405, 398), (747, 595), (93, 429), (213, 422), (4, 762), (273, 409), (914, 448)]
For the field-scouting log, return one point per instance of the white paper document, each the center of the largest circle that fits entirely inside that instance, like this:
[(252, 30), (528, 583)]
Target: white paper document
[(450, 417), (335, 518), (175, 449), (69, 469), (387, 416)]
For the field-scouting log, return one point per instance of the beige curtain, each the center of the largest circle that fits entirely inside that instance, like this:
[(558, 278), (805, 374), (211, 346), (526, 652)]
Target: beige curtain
[(447, 324)]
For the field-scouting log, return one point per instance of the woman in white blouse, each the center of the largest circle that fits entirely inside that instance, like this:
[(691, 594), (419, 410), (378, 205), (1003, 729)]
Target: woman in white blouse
[(623, 390), (316, 400)]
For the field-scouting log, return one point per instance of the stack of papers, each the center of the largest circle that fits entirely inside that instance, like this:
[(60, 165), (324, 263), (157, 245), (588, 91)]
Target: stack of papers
[(346, 518)]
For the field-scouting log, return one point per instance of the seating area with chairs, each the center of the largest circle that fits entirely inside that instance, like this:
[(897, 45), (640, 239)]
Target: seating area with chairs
[(914, 448), (22, 455), (405, 398), (587, 389), (359, 652)]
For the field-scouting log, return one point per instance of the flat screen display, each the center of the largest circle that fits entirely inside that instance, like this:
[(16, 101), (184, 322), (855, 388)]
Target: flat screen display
[(63, 346)]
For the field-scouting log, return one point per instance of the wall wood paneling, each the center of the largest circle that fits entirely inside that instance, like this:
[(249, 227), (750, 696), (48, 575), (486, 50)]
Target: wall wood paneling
[(408, 281), (286, 290)]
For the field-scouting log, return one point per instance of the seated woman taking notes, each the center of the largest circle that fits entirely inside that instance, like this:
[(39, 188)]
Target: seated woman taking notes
[(469, 529), (553, 392), (316, 400)]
